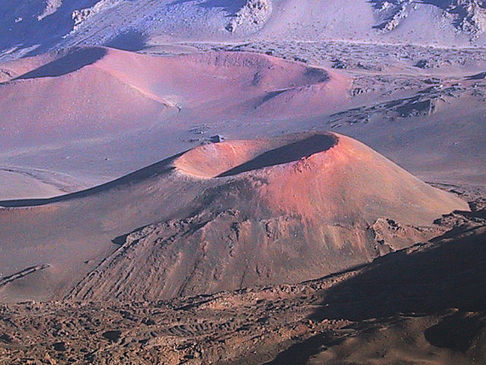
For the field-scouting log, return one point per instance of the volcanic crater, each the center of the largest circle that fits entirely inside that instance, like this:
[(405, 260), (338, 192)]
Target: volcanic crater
[(236, 157)]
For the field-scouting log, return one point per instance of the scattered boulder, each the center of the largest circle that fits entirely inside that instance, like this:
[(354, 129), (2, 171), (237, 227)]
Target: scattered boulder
[(216, 138), (338, 64), (6, 338), (253, 14), (112, 336), (59, 346), (423, 64), (416, 108)]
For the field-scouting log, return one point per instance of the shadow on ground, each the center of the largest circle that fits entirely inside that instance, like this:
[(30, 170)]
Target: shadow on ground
[(285, 154), (73, 61), (449, 272)]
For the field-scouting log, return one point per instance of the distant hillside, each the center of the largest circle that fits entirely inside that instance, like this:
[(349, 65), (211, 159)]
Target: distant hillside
[(30, 27)]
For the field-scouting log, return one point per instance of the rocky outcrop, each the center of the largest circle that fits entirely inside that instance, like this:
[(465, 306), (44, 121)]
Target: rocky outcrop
[(252, 15), (51, 8), (468, 16), (81, 15), (474, 18)]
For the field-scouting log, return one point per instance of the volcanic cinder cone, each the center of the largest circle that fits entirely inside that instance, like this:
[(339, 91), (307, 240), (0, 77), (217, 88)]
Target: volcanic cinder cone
[(61, 112), (99, 92), (232, 215)]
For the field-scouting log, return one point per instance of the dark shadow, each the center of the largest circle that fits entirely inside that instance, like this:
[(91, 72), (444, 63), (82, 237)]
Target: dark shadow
[(479, 76), (131, 40), (300, 353), (153, 170), (377, 4), (112, 336), (288, 153), (450, 275), (73, 61), (416, 108), (271, 94), (456, 332), (120, 240), (317, 74), (443, 4)]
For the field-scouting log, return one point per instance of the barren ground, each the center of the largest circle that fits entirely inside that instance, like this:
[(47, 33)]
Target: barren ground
[(421, 305), (130, 235)]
